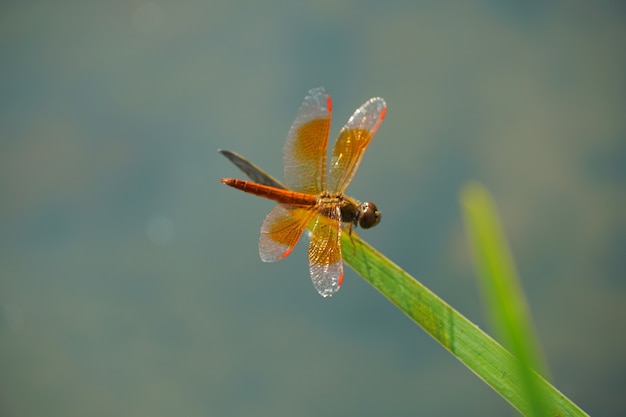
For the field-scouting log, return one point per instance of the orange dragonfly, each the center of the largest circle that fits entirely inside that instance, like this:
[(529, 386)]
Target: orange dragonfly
[(314, 197)]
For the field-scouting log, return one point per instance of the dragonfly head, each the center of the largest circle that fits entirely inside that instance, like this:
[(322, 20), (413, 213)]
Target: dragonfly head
[(370, 216)]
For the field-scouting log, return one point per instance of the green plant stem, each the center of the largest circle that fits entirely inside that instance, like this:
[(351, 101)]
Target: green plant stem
[(469, 344), (502, 290)]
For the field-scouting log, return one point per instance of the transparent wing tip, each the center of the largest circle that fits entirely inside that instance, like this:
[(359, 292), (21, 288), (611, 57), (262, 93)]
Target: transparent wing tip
[(327, 292), (327, 280), (375, 105), (317, 91)]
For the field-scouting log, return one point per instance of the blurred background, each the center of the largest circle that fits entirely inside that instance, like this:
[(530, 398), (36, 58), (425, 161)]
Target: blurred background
[(130, 282)]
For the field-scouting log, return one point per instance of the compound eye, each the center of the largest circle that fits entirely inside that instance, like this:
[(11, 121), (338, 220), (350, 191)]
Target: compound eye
[(370, 216)]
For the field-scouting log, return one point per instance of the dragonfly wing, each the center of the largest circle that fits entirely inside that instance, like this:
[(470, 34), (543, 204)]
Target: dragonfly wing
[(281, 231), (255, 173), (325, 260), (352, 142), (304, 155)]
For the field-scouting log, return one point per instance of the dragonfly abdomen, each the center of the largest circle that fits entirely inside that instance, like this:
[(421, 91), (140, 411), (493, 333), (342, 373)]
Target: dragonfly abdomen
[(277, 194)]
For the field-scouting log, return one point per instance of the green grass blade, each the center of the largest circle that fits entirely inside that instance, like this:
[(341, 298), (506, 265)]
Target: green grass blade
[(506, 303), (473, 347)]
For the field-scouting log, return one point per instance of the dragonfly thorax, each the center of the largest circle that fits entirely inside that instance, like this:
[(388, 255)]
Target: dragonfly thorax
[(364, 214)]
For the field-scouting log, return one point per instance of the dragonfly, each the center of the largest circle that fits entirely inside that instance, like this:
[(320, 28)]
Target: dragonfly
[(313, 194)]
